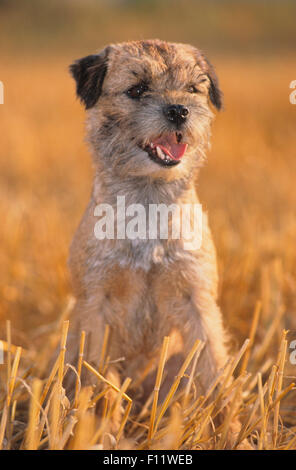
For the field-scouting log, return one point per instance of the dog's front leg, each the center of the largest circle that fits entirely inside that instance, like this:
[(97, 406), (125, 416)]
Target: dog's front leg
[(204, 321), (201, 319)]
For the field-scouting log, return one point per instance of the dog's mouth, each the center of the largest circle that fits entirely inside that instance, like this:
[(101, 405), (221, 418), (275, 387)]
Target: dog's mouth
[(166, 150)]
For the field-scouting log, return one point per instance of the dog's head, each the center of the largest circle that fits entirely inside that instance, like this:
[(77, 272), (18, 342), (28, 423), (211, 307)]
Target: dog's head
[(149, 106)]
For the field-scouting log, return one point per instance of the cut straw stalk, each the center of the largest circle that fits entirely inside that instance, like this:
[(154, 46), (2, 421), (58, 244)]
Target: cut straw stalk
[(11, 377), (44, 420), (197, 345), (147, 369), (68, 431), (263, 347), (104, 415), (85, 425), (203, 422), (3, 424), (235, 361), (12, 348), (119, 397), (58, 391), (282, 395), (62, 352), (124, 420), (143, 412), (199, 403), (271, 383), (279, 383), (230, 368), (291, 444), (107, 415), (79, 367), (11, 380), (99, 396), (253, 330), (232, 410), (159, 375), (249, 425), (104, 348), (269, 387), (265, 408), (253, 378), (99, 376), (32, 434), (49, 380), (191, 377), (173, 437), (8, 337), (244, 431), (54, 339), (197, 425), (229, 393), (55, 403), (12, 418), (264, 415)]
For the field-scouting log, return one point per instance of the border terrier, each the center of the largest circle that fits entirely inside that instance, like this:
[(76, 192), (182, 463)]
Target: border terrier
[(149, 110)]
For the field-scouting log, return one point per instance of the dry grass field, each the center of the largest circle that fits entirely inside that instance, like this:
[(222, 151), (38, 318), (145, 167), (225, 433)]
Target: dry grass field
[(248, 187)]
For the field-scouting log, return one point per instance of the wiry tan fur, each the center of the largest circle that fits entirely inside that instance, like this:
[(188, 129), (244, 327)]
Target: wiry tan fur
[(145, 289)]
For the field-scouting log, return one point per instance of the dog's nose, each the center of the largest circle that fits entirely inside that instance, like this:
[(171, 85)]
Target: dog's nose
[(176, 113)]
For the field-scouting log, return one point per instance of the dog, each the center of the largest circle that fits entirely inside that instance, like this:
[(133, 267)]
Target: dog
[(149, 107)]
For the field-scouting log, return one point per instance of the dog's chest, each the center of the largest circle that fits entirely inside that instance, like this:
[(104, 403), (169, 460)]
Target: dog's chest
[(142, 293)]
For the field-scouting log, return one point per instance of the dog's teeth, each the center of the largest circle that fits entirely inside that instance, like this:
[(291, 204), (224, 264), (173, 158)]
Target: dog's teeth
[(160, 153)]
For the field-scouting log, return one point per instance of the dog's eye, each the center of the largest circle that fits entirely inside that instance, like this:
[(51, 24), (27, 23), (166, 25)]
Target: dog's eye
[(137, 90), (192, 89)]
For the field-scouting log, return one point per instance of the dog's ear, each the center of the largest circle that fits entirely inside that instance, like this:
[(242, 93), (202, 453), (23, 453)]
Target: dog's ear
[(215, 94), (89, 73)]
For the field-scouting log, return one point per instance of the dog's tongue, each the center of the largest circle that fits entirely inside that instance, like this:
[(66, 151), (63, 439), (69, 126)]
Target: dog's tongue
[(169, 145)]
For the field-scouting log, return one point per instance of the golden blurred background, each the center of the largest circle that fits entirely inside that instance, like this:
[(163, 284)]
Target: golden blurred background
[(247, 185)]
